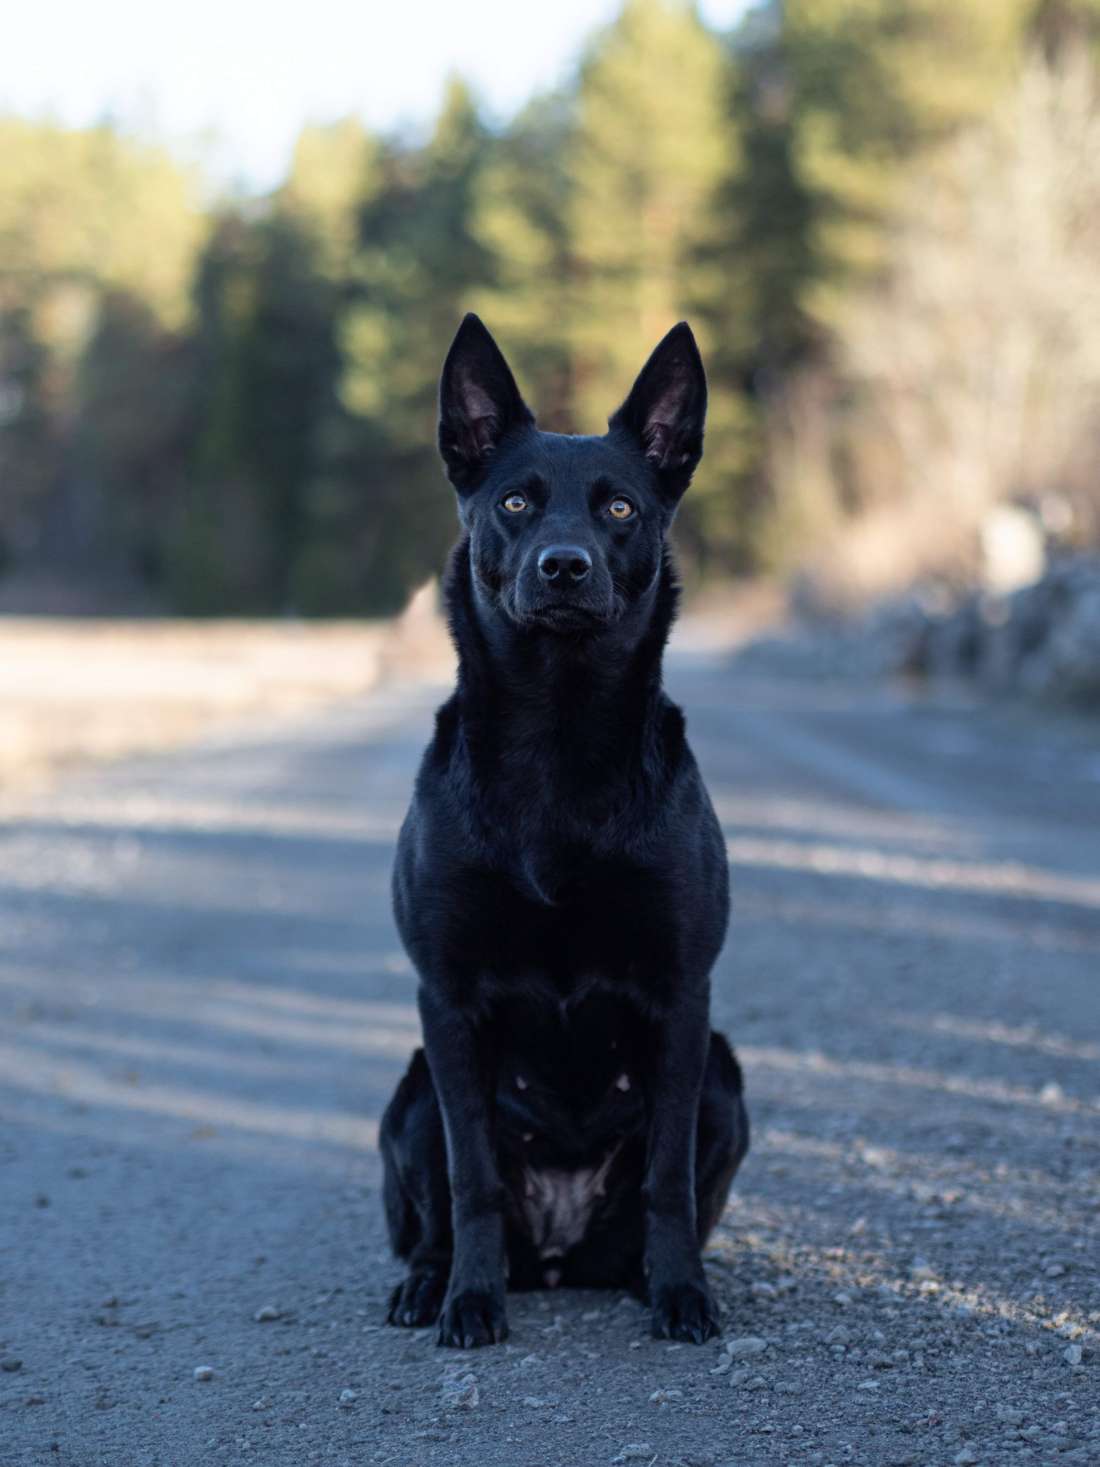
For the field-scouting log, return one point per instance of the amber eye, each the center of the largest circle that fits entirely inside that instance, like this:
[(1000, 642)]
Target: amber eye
[(515, 503), (620, 509)]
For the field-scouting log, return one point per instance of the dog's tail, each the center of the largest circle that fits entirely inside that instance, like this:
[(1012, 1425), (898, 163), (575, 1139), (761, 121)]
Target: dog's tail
[(402, 1221)]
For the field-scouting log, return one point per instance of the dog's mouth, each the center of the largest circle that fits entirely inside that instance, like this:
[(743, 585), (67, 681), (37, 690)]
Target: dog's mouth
[(553, 615), (560, 614), (563, 617)]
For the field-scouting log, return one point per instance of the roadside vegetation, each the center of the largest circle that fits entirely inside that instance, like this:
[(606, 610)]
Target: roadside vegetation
[(881, 216)]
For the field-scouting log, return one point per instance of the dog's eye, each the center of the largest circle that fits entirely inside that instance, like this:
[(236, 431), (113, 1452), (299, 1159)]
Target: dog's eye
[(620, 509), (515, 503)]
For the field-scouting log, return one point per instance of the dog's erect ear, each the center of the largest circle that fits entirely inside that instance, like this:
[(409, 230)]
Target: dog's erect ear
[(479, 403), (667, 408)]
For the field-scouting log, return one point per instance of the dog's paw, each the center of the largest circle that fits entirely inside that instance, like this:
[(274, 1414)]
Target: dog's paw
[(417, 1301), (473, 1317), (684, 1312)]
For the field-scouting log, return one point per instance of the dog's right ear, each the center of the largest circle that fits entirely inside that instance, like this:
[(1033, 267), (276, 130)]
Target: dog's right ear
[(479, 403)]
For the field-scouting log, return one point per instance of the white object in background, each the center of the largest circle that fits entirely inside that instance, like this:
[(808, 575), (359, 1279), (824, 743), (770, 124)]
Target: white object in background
[(1013, 549)]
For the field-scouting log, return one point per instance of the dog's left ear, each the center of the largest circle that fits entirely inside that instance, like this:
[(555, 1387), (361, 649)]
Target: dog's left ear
[(479, 403), (666, 410)]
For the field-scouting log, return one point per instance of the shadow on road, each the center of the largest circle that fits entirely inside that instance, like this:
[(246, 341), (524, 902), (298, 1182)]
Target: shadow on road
[(205, 1009)]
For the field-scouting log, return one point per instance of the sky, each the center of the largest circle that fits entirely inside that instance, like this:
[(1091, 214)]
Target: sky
[(230, 82)]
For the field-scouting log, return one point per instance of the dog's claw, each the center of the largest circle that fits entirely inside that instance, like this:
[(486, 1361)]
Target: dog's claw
[(417, 1301), (473, 1318), (684, 1312)]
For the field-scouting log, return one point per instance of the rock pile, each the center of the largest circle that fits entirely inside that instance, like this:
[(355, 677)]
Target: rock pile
[(1042, 640)]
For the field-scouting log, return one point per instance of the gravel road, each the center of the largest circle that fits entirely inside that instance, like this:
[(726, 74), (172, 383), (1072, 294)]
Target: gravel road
[(203, 1008)]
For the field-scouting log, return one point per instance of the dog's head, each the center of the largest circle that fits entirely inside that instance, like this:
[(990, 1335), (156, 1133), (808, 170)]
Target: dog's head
[(567, 533)]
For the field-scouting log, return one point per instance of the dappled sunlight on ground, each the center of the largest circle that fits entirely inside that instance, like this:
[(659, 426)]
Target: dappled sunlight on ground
[(874, 864), (86, 1084), (204, 1011)]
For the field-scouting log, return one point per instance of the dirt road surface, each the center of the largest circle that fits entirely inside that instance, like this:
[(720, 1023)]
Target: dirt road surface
[(203, 1008)]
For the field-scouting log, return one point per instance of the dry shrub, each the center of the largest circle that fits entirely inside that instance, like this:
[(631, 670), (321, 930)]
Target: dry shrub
[(970, 374)]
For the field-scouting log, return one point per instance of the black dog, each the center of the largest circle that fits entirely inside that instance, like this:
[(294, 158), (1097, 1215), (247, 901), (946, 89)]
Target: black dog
[(561, 882)]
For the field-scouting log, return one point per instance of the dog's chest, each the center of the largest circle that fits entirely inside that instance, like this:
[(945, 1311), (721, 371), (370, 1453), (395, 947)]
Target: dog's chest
[(557, 1205), (557, 926)]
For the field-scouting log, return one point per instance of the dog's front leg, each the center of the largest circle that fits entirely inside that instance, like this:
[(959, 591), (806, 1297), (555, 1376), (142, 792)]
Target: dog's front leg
[(473, 1309), (681, 1303)]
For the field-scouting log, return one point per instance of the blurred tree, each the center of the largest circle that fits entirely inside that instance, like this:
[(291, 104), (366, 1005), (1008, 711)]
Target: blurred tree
[(133, 435), (265, 388), (520, 216), (331, 174), (768, 251), (382, 514), (82, 205), (78, 212), (218, 557), (993, 294), (653, 147), (875, 84), (235, 407), (28, 458)]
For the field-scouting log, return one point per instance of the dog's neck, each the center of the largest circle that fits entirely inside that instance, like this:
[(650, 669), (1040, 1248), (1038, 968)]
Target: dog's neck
[(606, 684)]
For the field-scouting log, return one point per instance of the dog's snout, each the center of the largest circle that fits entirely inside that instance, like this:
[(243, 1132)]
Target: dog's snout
[(564, 563)]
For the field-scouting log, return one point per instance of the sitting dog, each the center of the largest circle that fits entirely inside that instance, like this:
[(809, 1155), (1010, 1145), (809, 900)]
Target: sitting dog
[(561, 882)]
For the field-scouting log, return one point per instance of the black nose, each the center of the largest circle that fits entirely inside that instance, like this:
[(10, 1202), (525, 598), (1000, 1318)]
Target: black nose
[(564, 563)]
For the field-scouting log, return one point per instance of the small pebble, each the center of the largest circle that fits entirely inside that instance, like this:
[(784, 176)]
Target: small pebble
[(267, 1313), (11, 1364), (966, 1458), (745, 1345), (662, 1395), (460, 1393), (1072, 1354), (204, 1372), (635, 1452), (868, 1385)]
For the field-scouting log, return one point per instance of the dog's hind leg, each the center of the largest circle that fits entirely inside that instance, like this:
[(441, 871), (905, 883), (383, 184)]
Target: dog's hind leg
[(722, 1138), (417, 1196)]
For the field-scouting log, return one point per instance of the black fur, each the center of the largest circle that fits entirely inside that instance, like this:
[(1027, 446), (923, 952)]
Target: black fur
[(561, 882)]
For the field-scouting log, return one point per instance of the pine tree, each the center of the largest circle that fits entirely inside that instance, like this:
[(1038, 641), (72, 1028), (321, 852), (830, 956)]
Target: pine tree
[(520, 217), (387, 516), (877, 84), (653, 149)]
